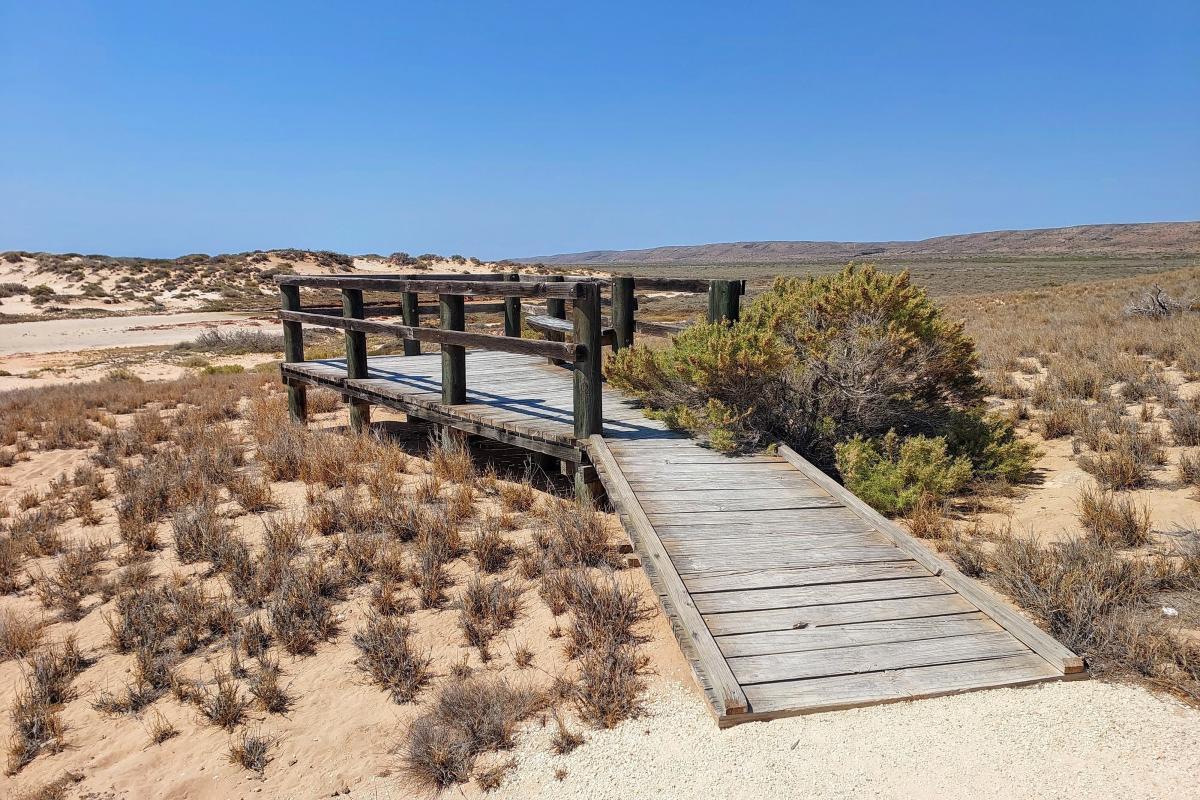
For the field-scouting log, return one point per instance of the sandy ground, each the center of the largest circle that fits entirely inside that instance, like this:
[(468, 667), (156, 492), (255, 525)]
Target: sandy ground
[(1083, 739), (74, 335)]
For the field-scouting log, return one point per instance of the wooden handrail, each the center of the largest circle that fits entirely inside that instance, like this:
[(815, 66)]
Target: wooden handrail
[(505, 288), (532, 347)]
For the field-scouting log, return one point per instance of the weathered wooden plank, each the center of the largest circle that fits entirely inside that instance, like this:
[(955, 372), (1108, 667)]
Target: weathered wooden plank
[(682, 544), (1035, 638), (820, 518), (729, 697), (720, 580), (894, 630), (670, 503), (772, 700), (790, 557), (860, 659), (797, 596), (780, 619)]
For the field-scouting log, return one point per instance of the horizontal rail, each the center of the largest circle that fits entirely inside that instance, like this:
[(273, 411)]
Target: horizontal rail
[(561, 289), (547, 324), (508, 344), (685, 285), (660, 328), (395, 311)]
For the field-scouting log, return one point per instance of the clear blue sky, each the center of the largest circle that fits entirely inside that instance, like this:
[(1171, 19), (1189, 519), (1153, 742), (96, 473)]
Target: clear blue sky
[(510, 129)]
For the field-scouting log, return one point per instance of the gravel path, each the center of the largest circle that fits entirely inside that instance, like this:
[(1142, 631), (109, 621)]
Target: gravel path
[(1079, 740)]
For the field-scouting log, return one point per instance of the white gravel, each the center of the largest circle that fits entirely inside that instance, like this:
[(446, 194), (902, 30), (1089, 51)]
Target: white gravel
[(1074, 740)]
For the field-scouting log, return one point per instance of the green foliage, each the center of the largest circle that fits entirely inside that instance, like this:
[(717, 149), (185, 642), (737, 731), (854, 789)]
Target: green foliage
[(990, 443), (892, 474), (713, 379), (855, 357)]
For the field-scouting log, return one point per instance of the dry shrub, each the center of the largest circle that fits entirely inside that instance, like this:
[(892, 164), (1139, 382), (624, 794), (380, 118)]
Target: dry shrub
[(517, 497), (323, 401), (967, 555), (200, 532), (1189, 468), (20, 634), (604, 610), (1114, 520), (37, 531), (490, 548), (269, 694), (428, 490), (73, 580), (330, 459), (470, 716), (492, 778), (574, 535), (610, 684), (251, 492), (1072, 585), (161, 729), (35, 723), (254, 637), (461, 505), (226, 706), (1061, 419), (1185, 424), (388, 598), (251, 751), (300, 612), (390, 657), (927, 519), (1125, 461), (451, 460), (486, 608), (564, 739), (35, 727), (11, 572)]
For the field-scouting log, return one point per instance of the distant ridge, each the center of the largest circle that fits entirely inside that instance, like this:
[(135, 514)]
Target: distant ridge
[(1136, 239)]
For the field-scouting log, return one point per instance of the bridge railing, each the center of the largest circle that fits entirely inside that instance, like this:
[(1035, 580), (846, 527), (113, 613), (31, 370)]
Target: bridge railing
[(587, 330)]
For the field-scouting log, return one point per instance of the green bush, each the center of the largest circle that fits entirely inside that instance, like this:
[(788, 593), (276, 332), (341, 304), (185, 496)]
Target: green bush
[(892, 474), (820, 361)]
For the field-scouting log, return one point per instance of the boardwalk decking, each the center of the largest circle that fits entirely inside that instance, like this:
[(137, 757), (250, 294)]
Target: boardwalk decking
[(787, 594)]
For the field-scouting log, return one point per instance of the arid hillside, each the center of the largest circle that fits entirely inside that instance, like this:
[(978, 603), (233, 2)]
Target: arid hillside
[(1155, 238)]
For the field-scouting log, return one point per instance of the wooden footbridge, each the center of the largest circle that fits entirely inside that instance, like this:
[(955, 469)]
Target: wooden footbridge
[(786, 592)]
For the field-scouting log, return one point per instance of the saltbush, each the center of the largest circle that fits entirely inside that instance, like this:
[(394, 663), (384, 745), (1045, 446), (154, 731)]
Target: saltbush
[(817, 362), (892, 474)]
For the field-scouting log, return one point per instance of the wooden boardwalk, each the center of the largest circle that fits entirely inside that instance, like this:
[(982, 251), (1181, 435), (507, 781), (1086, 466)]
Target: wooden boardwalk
[(787, 594)]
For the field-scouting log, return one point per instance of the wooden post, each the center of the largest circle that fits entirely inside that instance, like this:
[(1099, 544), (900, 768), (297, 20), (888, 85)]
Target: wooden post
[(412, 318), (723, 300), (293, 351), (454, 356), (623, 305), (512, 311), (589, 412), (555, 307), (356, 358)]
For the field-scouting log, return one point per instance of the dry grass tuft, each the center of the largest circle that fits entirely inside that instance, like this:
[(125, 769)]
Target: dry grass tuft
[(161, 729), (269, 694), (20, 634), (226, 706), (470, 716), (390, 657), (486, 608), (1114, 520), (491, 550), (927, 519), (251, 751), (564, 739)]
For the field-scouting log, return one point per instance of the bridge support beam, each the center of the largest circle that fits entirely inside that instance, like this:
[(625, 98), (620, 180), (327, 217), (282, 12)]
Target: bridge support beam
[(411, 314)]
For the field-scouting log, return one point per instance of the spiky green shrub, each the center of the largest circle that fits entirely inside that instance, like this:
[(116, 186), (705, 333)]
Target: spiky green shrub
[(892, 473)]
